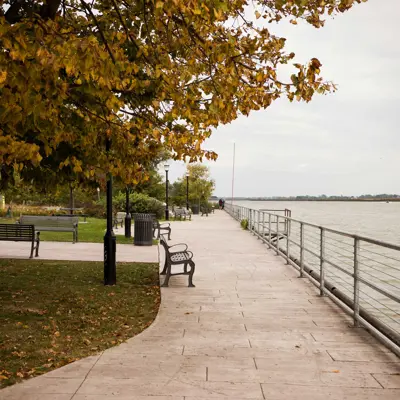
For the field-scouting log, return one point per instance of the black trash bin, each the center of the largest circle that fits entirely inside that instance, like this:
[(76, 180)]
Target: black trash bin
[(195, 209), (143, 229)]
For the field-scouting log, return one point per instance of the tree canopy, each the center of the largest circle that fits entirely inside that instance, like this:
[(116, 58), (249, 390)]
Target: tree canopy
[(144, 74), (201, 186)]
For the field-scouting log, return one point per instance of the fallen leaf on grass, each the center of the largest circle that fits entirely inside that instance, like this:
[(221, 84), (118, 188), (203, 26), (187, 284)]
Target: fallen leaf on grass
[(2, 377)]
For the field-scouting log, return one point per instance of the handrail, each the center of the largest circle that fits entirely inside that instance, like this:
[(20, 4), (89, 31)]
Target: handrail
[(358, 272)]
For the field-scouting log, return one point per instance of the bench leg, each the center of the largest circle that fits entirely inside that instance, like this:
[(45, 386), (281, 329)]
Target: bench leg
[(32, 247), (164, 271), (37, 244), (191, 273), (169, 234), (167, 276)]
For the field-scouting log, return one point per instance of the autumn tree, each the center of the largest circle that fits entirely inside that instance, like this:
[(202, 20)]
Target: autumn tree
[(201, 186), (143, 74)]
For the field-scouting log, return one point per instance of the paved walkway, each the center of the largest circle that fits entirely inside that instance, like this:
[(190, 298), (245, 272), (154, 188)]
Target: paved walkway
[(249, 330), (78, 252)]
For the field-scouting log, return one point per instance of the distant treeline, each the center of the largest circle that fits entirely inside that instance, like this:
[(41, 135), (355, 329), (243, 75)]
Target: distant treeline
[(364, 197)]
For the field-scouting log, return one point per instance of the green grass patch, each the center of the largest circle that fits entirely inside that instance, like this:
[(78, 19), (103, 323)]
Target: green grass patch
[(93, 232), (56, 312)]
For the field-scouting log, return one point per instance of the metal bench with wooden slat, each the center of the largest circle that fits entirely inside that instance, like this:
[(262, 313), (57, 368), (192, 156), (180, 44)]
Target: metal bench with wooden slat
[(52, 224), (21, 233), (183, 256), (119, 218)]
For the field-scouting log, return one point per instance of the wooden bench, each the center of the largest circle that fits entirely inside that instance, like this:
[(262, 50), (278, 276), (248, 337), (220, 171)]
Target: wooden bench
[(119, 218), (21, 233), (161, 227), (52, 224), (84, 216), (183, 256)]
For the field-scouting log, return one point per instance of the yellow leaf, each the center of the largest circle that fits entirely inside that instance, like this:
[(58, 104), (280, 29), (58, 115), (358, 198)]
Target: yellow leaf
[(258, 14), (2, 377), (3, 76)]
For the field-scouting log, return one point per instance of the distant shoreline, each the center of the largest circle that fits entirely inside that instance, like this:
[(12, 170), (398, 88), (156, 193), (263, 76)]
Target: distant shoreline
[(327, 200)]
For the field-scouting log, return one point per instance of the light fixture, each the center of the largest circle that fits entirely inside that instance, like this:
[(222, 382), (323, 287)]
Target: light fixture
[(166, 167)]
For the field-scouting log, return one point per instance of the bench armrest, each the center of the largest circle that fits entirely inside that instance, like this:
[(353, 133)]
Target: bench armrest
[(179, 244)]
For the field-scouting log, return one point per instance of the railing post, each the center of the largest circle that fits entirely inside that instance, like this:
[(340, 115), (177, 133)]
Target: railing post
[(356, 283), (301, 250), (321, 257), (269, 230), (277, 235), (287, 242), (263, 226)]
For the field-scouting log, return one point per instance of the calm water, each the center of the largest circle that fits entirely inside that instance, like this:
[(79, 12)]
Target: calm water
[(376, 220)]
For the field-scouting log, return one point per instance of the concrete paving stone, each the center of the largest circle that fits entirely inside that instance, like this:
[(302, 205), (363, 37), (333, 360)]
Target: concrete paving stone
[(327, 365), (293, 376), (147, 373), (389, 381), (76, 369), (354, 336), (300, 392), (173, 387), (6, 394), (42, 385), (363, 355), (128, 397), (159, 361)]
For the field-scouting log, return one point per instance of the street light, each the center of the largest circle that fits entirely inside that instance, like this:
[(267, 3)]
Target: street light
[(187, 191), (128, 218), (110, 242), (166, 168), (98, 194)]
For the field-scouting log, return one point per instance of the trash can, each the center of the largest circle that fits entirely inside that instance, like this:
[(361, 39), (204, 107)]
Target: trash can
[(143, 229), (195, 209)]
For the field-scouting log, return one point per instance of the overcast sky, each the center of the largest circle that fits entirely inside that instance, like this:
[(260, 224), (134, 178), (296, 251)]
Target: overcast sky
[(344, 143)]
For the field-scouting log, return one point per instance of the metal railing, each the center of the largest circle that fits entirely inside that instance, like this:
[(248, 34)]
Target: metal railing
[(360, 274)]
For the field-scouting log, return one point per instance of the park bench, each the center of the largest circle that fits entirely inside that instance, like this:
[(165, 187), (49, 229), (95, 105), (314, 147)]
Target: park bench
[(52, 224), (119, 219), (204, 210), (182, 257), (21, 233), (84, 216), (182, 213), (161, 227)]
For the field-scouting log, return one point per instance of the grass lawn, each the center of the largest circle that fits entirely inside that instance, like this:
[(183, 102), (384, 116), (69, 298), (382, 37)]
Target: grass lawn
[(92, 232), (55, 312)]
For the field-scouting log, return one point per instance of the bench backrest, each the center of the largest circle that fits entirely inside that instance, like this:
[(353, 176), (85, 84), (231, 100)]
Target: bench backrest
[(48, 221), (17, 232), (120, 216)]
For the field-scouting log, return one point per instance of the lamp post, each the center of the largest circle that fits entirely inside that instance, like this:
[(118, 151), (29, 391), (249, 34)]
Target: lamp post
[(110, 269), (187, 191), (128, 218), (98, 194), (166, 168)]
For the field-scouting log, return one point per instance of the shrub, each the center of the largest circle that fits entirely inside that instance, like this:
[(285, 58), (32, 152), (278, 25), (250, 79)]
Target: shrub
[(140, 203), (95, 210), (244, 223), (18, 209)]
